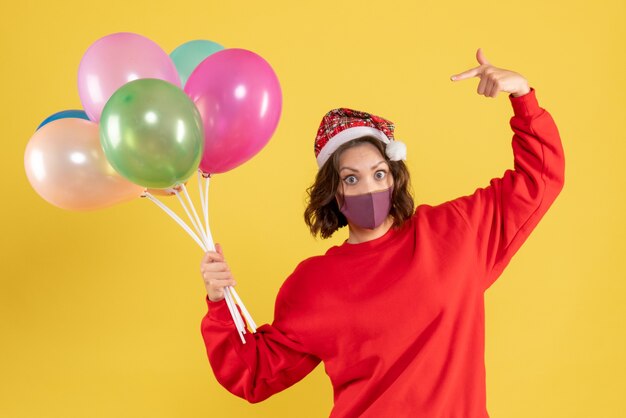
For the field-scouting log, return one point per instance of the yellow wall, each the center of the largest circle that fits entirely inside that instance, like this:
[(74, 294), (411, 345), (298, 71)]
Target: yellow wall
[(100, 311)]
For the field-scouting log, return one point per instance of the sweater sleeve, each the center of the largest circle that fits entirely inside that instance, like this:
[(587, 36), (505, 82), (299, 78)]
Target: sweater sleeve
[(502, 215), (271, 360)]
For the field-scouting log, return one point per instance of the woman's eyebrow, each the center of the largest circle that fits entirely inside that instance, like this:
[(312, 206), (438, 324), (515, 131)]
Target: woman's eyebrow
[(356, 171)]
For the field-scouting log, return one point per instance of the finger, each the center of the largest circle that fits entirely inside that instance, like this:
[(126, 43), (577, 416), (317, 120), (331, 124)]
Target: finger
[(212, 256), (480, 56), (217, 276), (219, 249), (474, 72), (487, 86), (227, 283), (494, 89), (219, 284), (481, 86), (215, 266), (209, 255)]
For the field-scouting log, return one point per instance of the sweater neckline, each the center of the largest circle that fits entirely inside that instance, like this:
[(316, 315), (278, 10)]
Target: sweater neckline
[(375, 243)]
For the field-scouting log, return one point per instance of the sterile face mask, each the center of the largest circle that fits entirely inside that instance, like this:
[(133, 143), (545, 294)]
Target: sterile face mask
[(367, 210)]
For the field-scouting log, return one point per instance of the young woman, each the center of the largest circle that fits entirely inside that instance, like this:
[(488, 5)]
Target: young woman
[(395, 312)]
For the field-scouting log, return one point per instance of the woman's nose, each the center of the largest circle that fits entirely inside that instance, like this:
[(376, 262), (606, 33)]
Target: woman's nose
[(371, 185)]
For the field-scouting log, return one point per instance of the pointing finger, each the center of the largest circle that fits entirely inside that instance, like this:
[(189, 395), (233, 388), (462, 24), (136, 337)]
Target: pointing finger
[(474, 72)]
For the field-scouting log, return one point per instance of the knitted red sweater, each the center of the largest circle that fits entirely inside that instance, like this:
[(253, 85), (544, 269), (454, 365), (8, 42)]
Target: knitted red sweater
[(399, 321)]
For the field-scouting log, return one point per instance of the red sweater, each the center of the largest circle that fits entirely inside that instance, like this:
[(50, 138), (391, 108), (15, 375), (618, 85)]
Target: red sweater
[(399, 321)]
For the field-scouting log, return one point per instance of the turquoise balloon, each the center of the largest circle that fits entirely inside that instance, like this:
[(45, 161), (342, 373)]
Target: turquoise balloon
[(187, 56), (151, 133)]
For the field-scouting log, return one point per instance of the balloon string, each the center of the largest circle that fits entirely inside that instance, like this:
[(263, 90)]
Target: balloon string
[(205, 207), (209, 244), (205, 210), (206, 204), (237, 316), (229, 299), (196, 223), (204, 200), (175, 217), (229, 291), (243, 308), (234, 313), (198, 231)]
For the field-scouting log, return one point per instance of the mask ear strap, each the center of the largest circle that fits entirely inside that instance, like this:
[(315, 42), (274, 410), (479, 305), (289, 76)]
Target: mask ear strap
[(339, 199), (340, 190), (339, 195), (391, 192)]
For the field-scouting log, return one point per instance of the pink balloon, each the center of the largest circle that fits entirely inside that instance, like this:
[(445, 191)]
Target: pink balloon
[(240, 101), (113, 61), (66, 166)]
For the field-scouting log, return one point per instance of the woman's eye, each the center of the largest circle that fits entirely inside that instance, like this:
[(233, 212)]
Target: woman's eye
[(350, 180), (380, 174)]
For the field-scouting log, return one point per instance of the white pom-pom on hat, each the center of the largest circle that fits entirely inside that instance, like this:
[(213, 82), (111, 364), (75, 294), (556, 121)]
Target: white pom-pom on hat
[(396, 150)]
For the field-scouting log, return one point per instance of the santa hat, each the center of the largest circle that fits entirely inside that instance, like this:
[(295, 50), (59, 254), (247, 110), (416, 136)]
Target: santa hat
[(342, 125)]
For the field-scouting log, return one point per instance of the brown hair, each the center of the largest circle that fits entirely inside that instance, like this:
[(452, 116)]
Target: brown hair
[(322, 214)]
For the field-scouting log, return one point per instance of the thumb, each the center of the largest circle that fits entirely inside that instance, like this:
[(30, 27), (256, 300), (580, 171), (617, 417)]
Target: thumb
[(481, 57), (219, 250)]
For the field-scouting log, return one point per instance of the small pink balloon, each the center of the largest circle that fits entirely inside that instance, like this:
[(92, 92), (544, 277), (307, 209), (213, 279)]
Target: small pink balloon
[(66, 166), (113, 61), (240, 101)]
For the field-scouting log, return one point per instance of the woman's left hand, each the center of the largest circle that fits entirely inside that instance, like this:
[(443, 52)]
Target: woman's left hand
[(493, 79)]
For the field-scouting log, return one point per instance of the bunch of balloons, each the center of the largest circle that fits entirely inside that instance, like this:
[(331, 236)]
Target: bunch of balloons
[(151, 120)]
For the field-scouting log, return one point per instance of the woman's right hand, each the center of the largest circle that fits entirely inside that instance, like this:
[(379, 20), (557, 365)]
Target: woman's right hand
[(216, 274)]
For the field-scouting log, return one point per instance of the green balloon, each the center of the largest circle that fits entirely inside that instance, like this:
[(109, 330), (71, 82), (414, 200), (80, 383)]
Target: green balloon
[(151, 133)]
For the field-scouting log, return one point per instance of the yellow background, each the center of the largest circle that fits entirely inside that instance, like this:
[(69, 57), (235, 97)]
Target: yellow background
[(100, 311)]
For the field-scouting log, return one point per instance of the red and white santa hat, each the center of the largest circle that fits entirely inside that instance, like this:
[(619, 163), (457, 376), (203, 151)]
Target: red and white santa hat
[(342, 125)]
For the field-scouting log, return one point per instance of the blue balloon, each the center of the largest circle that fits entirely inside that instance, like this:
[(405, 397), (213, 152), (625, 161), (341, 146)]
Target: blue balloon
[(76, 114)]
